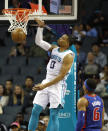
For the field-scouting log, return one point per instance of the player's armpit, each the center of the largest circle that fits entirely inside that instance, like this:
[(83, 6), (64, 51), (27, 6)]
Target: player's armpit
[(82, 104)]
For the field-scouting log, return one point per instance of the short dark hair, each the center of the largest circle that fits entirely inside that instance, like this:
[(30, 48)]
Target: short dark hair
[(90, 24), (30, 77), (20, 113), (10, 80), (95, 43), (91, 83), (4, 91), (78, 43)]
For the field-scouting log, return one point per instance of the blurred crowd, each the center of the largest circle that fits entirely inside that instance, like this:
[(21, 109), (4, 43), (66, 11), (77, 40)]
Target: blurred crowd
[(19, 96)]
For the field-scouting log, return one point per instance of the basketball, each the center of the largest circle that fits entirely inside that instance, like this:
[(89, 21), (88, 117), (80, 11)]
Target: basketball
[(18, 35)]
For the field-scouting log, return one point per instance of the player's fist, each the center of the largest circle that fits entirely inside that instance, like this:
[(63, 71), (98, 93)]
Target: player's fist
[(40, 23)]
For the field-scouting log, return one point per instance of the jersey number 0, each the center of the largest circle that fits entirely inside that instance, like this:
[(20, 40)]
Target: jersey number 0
[(52, 64)]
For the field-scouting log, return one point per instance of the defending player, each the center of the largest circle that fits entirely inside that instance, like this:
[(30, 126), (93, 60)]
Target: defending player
[(52, 89), (90, 109)]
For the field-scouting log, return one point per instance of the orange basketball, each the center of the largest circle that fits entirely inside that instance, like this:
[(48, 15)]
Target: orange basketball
[(18, 35)]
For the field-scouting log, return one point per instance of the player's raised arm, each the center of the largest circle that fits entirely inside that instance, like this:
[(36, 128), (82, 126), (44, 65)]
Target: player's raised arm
[(39, 37)]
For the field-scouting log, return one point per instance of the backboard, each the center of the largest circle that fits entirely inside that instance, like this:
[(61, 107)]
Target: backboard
[(55, 9)]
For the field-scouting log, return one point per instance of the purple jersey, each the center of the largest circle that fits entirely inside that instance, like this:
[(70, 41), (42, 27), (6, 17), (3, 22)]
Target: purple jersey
[(93, 117)]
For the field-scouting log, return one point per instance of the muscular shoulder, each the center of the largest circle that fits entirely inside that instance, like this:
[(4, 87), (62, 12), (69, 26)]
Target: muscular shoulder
[(68, 58), (82, 103)]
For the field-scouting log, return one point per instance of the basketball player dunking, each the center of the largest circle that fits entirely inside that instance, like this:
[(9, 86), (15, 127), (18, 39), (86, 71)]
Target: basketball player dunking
[(52, 89), (90, 109)]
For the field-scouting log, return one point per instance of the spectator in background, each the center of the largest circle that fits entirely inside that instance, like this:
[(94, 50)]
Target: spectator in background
[(19, 50), (104, 41), (9, 87), (98, 21), (91, 31), (82, 31), (15, 126), (3, 127), (105, 70), (100, 57), (36, 51), (79, 32), (3, 98), (98, 18), (105, 127), (75, 32), (46, 120), (81, 56), (102, 87), (20, 120), (91, 68), (18, 98), (29, 82), (13, 52), (41, 126)]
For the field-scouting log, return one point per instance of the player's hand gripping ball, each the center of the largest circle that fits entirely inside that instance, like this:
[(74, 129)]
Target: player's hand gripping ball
[(18, 35)]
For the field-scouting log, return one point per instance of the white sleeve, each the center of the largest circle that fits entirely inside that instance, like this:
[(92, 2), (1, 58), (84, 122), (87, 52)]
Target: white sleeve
[(39, 40)]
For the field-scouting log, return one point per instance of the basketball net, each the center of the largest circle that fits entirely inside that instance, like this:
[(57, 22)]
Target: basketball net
[(19, 17)]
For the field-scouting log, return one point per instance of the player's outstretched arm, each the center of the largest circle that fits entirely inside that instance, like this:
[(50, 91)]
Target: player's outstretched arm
[(39, 37), (82, 105), (67, 63)]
